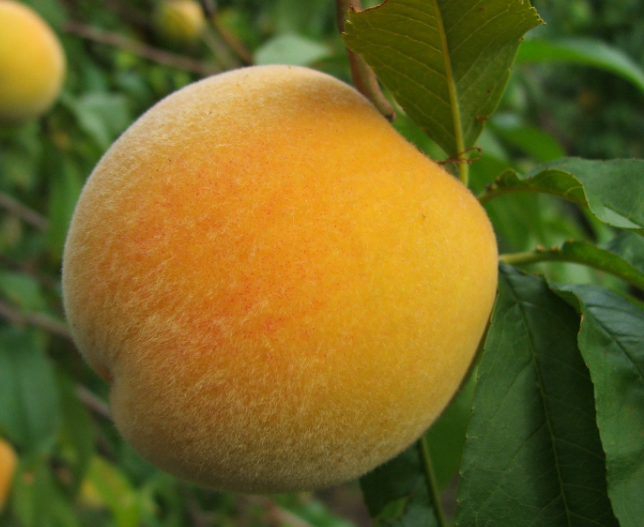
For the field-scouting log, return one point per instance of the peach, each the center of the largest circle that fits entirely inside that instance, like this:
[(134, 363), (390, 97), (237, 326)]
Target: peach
[(32, 63), (179, 21), (282, 292), (7, 470)]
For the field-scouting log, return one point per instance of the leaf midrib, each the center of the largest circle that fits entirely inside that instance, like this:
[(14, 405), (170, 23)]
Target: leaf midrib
[(451, 86), (553, 438)]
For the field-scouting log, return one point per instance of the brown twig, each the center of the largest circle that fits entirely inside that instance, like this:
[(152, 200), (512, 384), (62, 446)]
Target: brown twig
[(219, 49), (28, 269), (122, 8), (131, 13), (199, 517), (209, 8), (364, 79), (142, 50), (57, 328), (462, 157), (35, 319), (96, 405), (9, 314), (210, 11), (244, 55), (23, 212)]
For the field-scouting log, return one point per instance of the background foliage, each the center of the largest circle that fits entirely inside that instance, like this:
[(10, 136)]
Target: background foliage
[(569, 95)]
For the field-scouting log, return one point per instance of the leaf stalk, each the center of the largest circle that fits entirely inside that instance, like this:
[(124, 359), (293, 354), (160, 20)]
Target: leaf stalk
[(463, 170), (463, 165), (556, 254)]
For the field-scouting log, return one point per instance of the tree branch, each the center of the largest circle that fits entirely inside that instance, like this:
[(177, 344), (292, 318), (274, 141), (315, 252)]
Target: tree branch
[(244, 55), (23, 212), (209, 8), (29, 269), (96, 405), (35, 319), (142, 50)]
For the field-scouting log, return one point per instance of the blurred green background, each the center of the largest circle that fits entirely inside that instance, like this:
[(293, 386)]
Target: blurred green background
[(74, 469)]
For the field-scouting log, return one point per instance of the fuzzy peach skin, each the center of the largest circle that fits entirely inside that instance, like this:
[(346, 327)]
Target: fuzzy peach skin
[(282, 292), (32, 63), (7, 470)]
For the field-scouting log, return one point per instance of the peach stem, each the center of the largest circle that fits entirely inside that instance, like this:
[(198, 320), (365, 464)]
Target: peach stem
[(364, 79)]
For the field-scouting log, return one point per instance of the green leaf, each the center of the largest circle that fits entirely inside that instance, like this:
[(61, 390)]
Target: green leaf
[(312, 510), (102, 116), (65, 186), (77, 432), (391, 481), (585, 51), (291, 49), (37, 499), (295, 16), (160, 491), (20, 155), (18, 169), (491, 150), (29, 404), (611, 341), (533, 141), (417, 512), (545, 180), (533, 455), (396, 492), (117, 492), (586, 253), (612, 190), (412, 132), (52, 11), (31, 494), (446, 62), (518, 222), (446, 437), (630, 247), (22, 291)]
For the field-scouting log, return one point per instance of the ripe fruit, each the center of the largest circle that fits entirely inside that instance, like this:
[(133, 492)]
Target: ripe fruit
[(32, 63), (7, 469), (283, 292), (180, 21)]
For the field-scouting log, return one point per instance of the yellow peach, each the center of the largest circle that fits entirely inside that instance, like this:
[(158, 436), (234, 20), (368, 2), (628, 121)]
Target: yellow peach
[(282, 292), (180, 21), (32, 63), (7, 470)]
